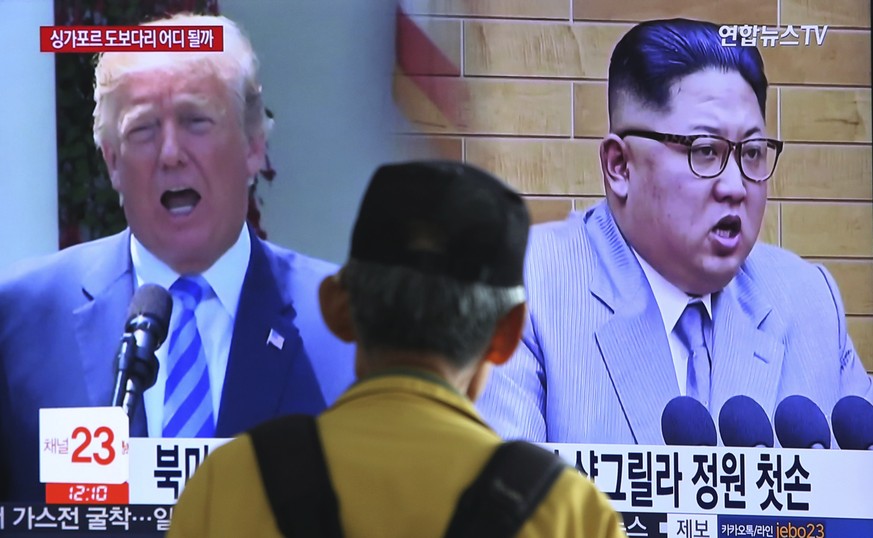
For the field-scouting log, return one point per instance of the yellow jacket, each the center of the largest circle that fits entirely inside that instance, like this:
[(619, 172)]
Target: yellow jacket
[(401, 448)]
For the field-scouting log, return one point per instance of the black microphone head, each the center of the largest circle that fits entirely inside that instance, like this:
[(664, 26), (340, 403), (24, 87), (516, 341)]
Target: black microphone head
[(744, 423), (151, 305), (852, 420), (801, 424), (686, 422)]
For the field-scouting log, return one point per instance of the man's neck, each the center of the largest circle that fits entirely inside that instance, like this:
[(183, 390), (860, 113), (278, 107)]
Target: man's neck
[(376, 362), (225, 276)]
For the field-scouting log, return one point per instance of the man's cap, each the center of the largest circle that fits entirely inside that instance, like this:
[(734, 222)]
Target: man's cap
[(443, 218)]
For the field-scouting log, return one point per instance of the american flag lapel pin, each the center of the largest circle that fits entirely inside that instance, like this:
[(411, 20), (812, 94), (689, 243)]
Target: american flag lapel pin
[(275, 339)]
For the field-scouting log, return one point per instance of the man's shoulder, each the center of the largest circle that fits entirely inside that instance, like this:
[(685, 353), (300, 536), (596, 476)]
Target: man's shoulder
[(769, 263), (573, 507), (784, 278), (579, 229), (296, 265), (235, 460), (568, 249), (559, 230), (63, 265), (551, 241), (571, 484)]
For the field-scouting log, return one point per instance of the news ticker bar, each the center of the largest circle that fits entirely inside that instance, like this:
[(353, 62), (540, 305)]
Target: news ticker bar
[(731, 481), (85, 519), (154, 520), (637, 478)]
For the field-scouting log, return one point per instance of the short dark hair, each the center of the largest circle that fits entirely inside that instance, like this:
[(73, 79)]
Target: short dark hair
[(655, 54), (402, 309)]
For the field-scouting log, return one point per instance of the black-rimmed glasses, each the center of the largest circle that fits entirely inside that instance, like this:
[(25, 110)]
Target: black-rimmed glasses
[(708, 154)]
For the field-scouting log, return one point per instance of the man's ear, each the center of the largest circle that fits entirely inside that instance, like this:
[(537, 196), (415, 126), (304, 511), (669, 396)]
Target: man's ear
[(110, 157), (334, 301), (614, 157), (256, 156), (507, 334)]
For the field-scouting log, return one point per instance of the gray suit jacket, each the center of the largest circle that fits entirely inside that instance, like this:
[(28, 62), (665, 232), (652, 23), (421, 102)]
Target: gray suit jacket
[(595, 366)]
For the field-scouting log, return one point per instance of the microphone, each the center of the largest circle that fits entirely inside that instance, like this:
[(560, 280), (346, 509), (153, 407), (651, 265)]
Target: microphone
[(148, 319), (686, 422), (852, 420), (744, 423), (801, 424)]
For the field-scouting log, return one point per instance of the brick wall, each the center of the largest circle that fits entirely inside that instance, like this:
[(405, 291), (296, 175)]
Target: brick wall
[(536, 109)]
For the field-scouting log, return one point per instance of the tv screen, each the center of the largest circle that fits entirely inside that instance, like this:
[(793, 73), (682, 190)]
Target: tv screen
[(612, 148)]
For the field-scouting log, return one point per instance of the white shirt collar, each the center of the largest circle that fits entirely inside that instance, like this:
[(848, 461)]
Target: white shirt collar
[(671, 300), (226, 275)]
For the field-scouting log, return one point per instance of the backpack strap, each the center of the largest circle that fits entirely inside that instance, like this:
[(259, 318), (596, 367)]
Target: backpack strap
[(295, 477), (507, 491)]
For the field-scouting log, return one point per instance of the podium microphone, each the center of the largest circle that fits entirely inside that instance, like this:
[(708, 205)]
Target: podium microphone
[(744, 423), (686, 422), (801, 424), (148, 319), (852, 420)]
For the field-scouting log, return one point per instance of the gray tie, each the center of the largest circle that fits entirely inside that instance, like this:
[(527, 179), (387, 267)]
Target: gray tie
[(690, 332)]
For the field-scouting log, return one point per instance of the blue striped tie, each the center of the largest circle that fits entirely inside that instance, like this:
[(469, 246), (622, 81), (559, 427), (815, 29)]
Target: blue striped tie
[(187, 396)]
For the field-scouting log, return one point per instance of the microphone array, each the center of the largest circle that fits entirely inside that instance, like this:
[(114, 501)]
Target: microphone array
[(798, 423)]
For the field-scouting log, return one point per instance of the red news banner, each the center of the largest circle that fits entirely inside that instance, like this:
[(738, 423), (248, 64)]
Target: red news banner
[(92, 39)]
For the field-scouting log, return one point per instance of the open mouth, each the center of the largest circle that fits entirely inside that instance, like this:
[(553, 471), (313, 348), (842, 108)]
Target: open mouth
[(728, 227), (180, 201)]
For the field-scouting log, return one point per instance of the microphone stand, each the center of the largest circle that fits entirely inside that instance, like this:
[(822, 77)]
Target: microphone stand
[(136, 373)]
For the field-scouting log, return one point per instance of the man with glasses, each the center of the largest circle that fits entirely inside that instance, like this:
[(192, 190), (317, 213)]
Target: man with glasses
[(660, 291)]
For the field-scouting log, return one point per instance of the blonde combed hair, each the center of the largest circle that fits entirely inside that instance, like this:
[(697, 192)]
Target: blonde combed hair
[(236, 65)]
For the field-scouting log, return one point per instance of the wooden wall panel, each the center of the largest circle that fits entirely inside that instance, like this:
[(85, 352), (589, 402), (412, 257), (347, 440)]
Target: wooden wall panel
[(824, 229), (770, 228), (848, 13), (431, 147), (525, 9), (823, 64), (446, 35), (829, 172), (581, 204), (524, 49), (825, 115), (857, 277), (590, 114), (548, 209), (568, 167), (861, 331), (498, 107), (735, 11)]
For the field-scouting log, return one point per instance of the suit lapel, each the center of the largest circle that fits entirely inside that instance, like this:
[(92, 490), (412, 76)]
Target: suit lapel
[(634, 348), (99, 323), (745, 359), (633, 343), (257, 385)]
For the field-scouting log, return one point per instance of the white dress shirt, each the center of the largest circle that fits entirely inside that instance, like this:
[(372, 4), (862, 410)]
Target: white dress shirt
[(672, 302), (215, 317)]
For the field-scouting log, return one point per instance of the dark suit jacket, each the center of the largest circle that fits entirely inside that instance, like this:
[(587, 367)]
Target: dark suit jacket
[(62, 316)]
